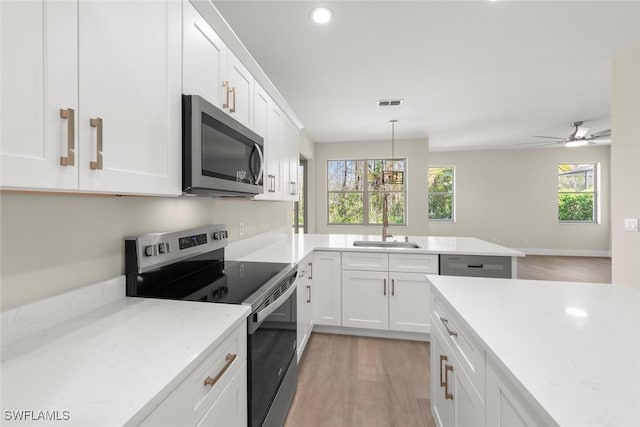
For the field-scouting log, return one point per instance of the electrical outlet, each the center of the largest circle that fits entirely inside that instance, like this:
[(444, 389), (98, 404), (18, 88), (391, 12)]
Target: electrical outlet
[(631, 224), (241, 228), (525, 241)]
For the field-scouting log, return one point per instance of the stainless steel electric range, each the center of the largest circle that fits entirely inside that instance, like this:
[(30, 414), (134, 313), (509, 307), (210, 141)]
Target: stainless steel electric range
[(189, 265)]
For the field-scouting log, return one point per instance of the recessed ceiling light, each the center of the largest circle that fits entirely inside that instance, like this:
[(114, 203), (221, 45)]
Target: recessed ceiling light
[(321, 15)]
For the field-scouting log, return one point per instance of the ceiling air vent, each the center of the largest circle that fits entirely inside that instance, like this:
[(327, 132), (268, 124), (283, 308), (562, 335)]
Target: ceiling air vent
[(390, 102)]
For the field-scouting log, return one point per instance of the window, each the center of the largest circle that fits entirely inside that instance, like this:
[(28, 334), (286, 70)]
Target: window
[(577, 183), (441, 195), (356, 190)]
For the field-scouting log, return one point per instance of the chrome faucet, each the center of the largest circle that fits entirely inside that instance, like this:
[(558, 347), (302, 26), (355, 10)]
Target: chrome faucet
[(385, 218)]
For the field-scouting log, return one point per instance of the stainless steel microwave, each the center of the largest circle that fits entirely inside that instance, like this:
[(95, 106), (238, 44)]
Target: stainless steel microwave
[(220, 156)]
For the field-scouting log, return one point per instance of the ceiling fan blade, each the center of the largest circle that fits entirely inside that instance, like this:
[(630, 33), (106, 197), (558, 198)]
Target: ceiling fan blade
[(540, 143), (606, 132), (549, 137), (580, 132)]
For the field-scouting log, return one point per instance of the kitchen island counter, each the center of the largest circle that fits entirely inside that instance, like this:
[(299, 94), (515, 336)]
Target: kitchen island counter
[(572, 349)]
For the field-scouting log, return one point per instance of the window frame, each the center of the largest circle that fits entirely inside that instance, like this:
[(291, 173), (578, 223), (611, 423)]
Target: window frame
[(595, 192), (366, 193), (452, 193)]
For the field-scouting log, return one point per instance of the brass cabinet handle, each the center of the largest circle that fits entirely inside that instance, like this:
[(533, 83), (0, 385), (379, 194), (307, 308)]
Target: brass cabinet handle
[(229, 360), (447, 395), (70, 159), (443, 358), (233, 91), (225, 84), (310, 270), (97, 123), (393, 287), (451, 332), (384, 286), (308, 294)]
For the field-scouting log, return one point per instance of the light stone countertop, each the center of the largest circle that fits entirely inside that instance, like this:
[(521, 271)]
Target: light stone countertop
[(284, 248), (109, 366), (573, 347)]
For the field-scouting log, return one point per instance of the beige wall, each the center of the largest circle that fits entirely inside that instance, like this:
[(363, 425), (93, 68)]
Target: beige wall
[(507, 196), (416, 153), (54, 243), (625, 158)]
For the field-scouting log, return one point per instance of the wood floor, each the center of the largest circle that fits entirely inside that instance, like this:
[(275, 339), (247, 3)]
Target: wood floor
[(565, 268), (350, 381)]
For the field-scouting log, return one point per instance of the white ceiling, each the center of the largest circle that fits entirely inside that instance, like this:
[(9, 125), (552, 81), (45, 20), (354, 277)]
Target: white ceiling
[(473, 74)]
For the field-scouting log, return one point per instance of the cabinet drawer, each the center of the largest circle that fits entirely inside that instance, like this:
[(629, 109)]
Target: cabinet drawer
[(466, 350), (475, 266), (371, 261), (191, 400), (414, 263)]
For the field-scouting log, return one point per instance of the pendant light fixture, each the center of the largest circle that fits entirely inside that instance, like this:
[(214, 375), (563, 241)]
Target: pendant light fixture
[(393, 176)]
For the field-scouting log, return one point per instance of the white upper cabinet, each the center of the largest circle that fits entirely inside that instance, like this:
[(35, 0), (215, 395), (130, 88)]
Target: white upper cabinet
[(290, 159), (123, 71), (39, 79), (240, 91), (130, 96), (268, 124), (204, 57), (212, 71)]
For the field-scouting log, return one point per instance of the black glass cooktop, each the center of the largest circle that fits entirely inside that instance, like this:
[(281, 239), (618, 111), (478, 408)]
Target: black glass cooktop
[(202, 279)]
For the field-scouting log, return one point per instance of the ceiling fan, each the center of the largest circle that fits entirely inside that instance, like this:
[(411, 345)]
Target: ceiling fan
[(579, 137)]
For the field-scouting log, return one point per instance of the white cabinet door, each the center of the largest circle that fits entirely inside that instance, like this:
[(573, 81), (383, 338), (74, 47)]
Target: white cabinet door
[(267, 123), (468, 406), (504, 408), (290, 160), (409, 303), (204, 57), (441, 404), (241, 91), (327, 288), (364, 299), (304, 300), (130, 96), (39, 75), (230, 410)]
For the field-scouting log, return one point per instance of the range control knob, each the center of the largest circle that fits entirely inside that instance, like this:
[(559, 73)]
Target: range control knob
[(224, 234), (216, 235), (163, 248), (151, 250)]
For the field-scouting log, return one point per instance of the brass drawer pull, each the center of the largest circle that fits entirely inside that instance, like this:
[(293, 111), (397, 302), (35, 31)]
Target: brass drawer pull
[(384, 287), (443, 358), (97, 123), (229, 360), (451, 332), (70, 159), (447, 395), (308, 294), (393, 287)]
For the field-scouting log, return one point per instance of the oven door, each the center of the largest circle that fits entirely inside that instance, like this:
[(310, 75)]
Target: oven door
[(272, 362)]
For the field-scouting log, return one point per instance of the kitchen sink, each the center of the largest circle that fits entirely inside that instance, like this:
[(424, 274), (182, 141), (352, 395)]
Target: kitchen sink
[(366, 243)]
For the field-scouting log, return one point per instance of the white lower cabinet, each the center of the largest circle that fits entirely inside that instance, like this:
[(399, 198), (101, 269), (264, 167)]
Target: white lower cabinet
[(304, 303), (454, 399), (373, 297), (504, 407), (230, 410), (327, 288), (213, 394)]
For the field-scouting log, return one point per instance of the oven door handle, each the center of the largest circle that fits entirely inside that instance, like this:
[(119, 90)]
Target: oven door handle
[(264, 313)]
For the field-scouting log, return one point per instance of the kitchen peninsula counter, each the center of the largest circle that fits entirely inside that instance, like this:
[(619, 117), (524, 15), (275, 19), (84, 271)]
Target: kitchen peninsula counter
[(274, 247)]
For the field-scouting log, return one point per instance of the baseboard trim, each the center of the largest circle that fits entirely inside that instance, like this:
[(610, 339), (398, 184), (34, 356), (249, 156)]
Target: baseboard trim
[(565, 252), (338, 330)]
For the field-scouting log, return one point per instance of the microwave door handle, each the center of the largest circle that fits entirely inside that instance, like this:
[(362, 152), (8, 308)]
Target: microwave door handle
[(261, 172)]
